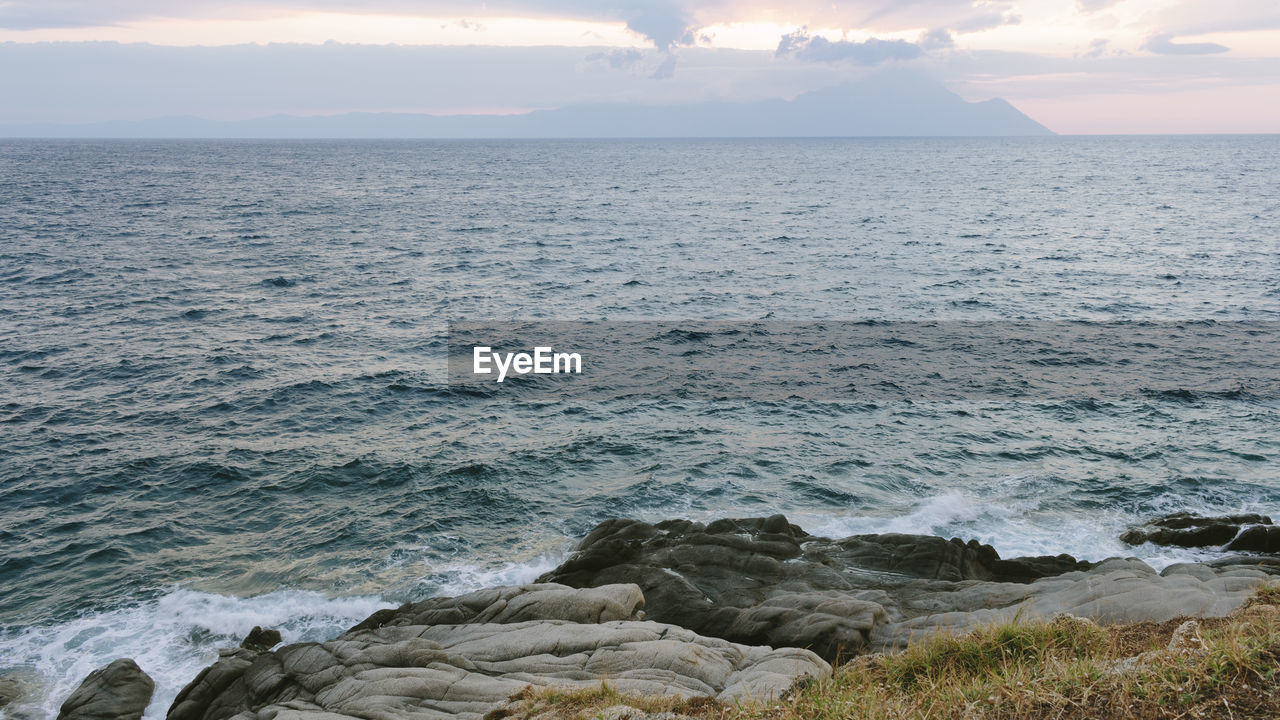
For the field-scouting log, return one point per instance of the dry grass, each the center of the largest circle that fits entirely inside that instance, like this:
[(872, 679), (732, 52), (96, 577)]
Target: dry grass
[(1059, 670)]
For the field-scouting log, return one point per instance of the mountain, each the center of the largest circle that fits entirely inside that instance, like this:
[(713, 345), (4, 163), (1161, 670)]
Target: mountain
[(890, 104)]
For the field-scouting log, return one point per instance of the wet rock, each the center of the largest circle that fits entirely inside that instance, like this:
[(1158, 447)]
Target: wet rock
[(1268, 564), (404, 664), (764, 581), (693, 610), (118, 691), (1245, 533), (261, 640), (220, 690), (1257, 538), (10, 690)]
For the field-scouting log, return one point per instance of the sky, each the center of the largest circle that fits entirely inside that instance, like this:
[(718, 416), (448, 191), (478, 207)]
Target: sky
[(1077, 66)]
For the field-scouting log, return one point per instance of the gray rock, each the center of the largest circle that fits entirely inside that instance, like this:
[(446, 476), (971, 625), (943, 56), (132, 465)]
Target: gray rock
[(517, 604), (764, 581), (681, 608), (118, 691), (10, 690), (1237, 533), (260, 640), (402, 664), (626, 712), (1187, 639), (622, 712)]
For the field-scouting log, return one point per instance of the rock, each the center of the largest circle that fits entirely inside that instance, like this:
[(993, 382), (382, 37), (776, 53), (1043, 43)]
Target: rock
[(1243, 533), (516, 604), (1079, 625), (1257, 538), (693, 610), (622, 712), (491, 645), (1187, 639), (764, 581), (1268, 564), (10, 690), (261, 640), (118, 691)]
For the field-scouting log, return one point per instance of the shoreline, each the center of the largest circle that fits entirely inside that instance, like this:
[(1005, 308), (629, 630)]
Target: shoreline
[(771, 601)]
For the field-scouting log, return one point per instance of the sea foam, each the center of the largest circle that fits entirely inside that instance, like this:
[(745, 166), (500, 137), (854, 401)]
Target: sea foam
[(171, 637)]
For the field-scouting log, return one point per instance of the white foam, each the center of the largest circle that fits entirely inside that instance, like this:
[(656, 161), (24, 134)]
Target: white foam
[(179, 633), (171, 638), (459, 578), (1013, 522), (930, 517)]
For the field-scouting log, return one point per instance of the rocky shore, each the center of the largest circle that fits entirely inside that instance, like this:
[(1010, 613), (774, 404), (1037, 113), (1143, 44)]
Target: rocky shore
[(736, 610)]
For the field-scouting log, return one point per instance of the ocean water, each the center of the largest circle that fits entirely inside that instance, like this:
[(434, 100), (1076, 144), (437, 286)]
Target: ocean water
[(223, 391)]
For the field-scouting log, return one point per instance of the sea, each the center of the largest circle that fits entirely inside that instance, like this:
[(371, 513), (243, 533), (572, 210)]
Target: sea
[(224, 382)]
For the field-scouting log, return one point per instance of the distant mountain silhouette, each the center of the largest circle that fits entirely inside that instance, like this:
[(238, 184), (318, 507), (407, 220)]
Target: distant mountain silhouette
[(890, 104)]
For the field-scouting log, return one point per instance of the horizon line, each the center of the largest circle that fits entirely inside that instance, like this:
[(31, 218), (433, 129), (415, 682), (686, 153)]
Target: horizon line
[(587, 138)]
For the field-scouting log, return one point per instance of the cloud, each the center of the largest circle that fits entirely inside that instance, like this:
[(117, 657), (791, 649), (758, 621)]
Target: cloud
[(903, 13), (666, 70), (815, 48), (984, 21), (667, 23), (1097, 48), (637, 62), (90, 82), (617, 59), (941, 38), (1163, 44), (1197, 17), (936, 39), (1093, 6)]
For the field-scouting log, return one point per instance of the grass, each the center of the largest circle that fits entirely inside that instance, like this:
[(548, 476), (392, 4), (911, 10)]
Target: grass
[(1268, 595), (1065, 669)]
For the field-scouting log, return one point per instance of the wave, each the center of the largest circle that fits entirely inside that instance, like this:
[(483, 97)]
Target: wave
[(171, 638), (1030, 515)]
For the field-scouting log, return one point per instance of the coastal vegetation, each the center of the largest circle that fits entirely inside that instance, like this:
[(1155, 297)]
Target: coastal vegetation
[(1067, 668)]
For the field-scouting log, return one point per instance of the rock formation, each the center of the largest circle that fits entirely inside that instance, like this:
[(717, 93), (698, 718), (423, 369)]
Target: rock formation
[(118, 691), (261, 640), (764, 581), (463, 657), (727, 610), (1235, 533)]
